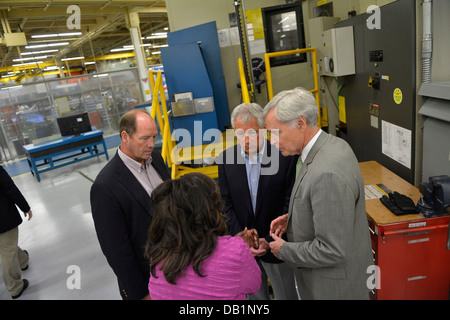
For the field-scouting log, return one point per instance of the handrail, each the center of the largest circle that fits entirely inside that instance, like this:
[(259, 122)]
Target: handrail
[(244, 85), (162, 116), (267, 57)]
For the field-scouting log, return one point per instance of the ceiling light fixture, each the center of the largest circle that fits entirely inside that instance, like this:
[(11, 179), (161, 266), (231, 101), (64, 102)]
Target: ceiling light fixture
[(121, 49), (51, 35), (157, 35), (27, 63), (73, 58), (31, 58), (13, 87), (51, 68), (55, 44), (39, 52)]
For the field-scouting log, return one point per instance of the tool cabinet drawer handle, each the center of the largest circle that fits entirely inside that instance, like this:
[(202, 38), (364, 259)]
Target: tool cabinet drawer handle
[(414, 230)]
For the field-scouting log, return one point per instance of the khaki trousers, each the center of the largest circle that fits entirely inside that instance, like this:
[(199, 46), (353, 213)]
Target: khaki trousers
[(13, 259)]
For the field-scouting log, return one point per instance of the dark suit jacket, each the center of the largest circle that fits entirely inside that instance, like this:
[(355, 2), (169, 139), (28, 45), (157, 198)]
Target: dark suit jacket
[(122, 214), (10, 196), (273, 194)]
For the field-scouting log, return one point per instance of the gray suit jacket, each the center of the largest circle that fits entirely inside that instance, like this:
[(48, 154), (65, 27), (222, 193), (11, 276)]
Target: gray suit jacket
[(328, 236)]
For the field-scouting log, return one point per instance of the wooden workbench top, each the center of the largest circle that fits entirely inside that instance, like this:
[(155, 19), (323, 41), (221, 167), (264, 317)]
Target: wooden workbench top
[(374, 173)]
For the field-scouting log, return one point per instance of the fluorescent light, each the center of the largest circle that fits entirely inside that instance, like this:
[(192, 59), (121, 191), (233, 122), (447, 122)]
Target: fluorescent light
[(73, 58), (158, 35), (44, 35), (39, 52), (121, 49), (27, 63), (89, 62), (55, 44), (156, 52), (32, 58), (51, 68), (14, 87), (161, 46), (101, 75), (66, 34)]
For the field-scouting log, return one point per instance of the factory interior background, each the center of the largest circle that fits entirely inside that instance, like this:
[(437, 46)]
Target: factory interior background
[(381, 77)]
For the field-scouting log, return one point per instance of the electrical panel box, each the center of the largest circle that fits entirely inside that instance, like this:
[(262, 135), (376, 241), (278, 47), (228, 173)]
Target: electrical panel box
[(380, 98), (15, 39), (338, 52), (317, 26)]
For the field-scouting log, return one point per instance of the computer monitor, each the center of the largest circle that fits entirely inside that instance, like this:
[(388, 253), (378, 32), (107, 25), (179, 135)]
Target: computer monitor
[(74, 124)]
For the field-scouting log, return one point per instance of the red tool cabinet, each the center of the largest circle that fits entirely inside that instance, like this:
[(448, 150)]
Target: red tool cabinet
[(410, 250)]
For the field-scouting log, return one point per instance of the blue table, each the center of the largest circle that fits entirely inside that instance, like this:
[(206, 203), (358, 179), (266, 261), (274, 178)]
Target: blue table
[(64, 151)]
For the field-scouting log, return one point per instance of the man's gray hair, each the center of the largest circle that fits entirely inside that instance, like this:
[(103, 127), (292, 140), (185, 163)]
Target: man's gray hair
[(246, 112), (292, 104)]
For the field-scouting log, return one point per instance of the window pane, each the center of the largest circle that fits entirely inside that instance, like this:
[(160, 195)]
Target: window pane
[(284, 30)]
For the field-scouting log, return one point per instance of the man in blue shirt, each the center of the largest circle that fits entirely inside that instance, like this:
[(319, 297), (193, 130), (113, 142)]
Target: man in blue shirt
[(256, 182)]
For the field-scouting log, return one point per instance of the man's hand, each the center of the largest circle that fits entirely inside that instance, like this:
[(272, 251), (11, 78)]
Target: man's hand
[(29, 213), (250, 237), (278, 226), (262, 250), (275, 245)]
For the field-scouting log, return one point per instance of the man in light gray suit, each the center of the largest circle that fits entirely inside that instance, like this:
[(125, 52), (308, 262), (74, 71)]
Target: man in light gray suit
[(328, 238)]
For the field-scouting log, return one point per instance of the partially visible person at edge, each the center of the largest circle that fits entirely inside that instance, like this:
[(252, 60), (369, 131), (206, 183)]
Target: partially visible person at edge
[(191, 257), (13, 258)]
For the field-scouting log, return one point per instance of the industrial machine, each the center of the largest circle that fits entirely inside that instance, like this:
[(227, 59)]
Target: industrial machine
[(380, 98), (195, 82)]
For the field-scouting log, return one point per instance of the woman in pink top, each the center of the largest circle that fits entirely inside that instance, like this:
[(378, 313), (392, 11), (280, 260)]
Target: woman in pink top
[(191, 257)]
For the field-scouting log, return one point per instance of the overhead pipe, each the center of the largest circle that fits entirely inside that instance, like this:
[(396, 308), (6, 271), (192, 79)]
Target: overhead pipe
[(427, 41)]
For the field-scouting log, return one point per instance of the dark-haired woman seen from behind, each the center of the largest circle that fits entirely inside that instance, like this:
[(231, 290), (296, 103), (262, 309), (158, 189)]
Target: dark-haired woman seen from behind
[(191, 257)]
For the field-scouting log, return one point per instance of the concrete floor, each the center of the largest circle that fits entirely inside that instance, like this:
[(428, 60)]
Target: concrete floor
[(61, 235)]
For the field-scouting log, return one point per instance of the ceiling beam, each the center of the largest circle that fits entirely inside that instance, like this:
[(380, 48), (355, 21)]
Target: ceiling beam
[(85, 11), (90, 35), (78, 2)]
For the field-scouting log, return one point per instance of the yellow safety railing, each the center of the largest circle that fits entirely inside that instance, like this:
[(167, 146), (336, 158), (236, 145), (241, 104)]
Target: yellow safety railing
[(159, 112), (173, 155), (244, 87), (315, 91)]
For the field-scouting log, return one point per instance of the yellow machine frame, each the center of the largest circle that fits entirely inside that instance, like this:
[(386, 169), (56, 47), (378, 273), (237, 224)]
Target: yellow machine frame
[(322, 120)]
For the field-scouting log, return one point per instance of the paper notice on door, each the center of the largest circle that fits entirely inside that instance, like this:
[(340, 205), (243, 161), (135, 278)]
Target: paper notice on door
[(396, 143)]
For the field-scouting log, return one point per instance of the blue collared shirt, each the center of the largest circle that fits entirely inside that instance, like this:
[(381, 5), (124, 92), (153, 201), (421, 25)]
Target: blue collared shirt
[(253, 168)]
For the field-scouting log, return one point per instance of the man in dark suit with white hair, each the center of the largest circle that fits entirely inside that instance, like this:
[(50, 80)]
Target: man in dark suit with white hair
[(256, 182)]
